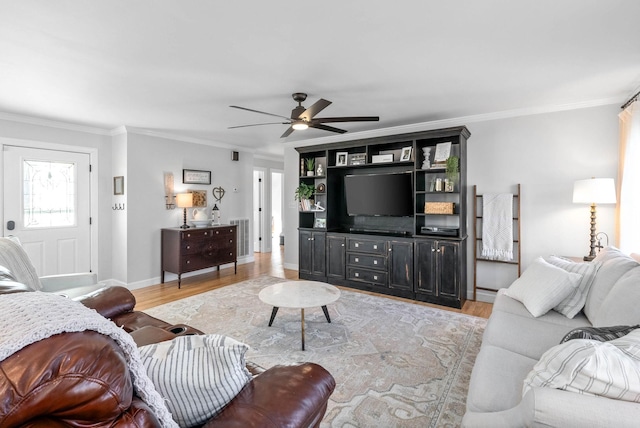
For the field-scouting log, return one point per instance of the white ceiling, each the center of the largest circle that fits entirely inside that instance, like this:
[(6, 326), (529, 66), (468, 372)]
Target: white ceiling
[(174, 67)]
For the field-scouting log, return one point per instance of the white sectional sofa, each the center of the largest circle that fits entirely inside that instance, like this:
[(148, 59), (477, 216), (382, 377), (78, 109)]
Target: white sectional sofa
[(564, 381)]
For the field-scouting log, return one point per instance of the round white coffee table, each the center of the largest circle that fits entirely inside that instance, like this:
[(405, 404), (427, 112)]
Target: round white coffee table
[(299, 295)]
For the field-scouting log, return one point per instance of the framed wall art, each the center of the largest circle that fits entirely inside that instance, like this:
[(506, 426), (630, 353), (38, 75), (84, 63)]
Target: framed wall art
[(118, 185), (341, 158), (199, 198), (196, 176)]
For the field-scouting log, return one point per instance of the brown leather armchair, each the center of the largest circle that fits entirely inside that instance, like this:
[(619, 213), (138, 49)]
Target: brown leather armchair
[(81, 379)]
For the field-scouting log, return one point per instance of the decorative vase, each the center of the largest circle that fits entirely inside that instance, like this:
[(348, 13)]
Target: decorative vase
[(319, 171)]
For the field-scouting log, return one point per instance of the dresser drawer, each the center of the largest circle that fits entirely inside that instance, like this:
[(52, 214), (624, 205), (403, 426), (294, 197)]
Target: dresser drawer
[(367, 246), (365, 275), (223, 231), (365, 260), (195, 235)]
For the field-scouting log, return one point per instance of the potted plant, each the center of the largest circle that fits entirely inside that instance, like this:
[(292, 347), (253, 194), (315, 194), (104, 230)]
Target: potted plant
[(303, 193), (310, 163), (452, 171)]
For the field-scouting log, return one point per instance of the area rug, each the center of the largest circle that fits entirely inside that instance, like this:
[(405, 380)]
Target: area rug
[(396, 364)]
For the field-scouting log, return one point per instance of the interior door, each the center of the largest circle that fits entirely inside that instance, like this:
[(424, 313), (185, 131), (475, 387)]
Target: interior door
[(47, 206)]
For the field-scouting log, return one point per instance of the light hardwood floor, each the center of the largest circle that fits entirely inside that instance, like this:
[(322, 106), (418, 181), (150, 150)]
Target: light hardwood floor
[(265, 264)]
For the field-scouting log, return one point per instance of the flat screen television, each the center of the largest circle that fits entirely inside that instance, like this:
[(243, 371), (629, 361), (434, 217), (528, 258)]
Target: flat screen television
[(379, 194)]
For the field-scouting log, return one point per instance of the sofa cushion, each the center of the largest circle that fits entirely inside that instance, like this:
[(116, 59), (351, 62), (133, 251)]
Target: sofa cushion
[(8, 283), (542, 286), (496, 379), (601, 334), (613, 264), (622, 305), (197, 375), (608, 369), (528, 336), (504, 303), (575, 301)]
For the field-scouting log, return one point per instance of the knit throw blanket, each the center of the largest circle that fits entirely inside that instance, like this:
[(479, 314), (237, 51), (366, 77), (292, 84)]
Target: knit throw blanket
[(41, 315)]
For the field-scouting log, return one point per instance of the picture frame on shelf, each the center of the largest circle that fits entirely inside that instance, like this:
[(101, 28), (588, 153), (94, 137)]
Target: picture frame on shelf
[(357, 159), (406, 154), (341, 158), (320, 223), (196, 176)]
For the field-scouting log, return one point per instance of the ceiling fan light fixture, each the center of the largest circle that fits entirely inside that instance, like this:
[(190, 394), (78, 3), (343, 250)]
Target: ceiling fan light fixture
[(299, 125)]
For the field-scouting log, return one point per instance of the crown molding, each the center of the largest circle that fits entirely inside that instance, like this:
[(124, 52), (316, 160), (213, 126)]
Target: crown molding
[(456, 121), (32, 120)]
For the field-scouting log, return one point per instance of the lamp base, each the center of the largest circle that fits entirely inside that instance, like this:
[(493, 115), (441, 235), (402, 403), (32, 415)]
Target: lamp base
[(588, 258), (185, 226)]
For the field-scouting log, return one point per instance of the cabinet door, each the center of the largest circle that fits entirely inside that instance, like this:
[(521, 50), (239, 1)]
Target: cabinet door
[(319, 262), (448, 269), (401, 265), (425, 267), (336, 257), (305, 259)]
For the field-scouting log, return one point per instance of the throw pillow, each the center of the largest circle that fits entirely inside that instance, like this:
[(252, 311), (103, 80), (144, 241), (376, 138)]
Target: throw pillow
[(542, 286), (608, 369), (614, 264), (198, 375), (620, 306), (8, 283), (601, 334), (575, 301)]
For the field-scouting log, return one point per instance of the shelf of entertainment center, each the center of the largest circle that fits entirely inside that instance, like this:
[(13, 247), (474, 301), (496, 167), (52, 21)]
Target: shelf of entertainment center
[(374, 165)]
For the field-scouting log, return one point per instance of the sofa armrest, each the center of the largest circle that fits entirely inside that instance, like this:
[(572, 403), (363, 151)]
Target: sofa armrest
[(57, 283), (283, 396), (109, 301)]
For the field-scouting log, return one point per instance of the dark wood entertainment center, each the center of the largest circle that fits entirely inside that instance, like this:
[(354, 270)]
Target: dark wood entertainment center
[(422, 256)]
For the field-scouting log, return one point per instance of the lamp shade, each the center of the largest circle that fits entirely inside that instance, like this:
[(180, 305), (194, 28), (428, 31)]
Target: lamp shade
[(184, 200), (594, 191)]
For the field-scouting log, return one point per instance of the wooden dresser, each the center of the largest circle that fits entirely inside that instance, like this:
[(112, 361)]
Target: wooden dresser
[(187, 250)]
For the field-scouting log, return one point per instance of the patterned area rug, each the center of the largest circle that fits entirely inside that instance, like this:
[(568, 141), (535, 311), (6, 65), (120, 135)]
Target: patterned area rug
[(396, 364)]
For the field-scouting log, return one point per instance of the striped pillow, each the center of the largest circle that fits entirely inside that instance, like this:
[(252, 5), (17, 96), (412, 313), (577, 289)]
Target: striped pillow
[(198, 375), (608, 369), (574, 303)]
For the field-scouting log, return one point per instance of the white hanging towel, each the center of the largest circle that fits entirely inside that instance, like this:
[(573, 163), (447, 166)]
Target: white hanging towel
[(497, 226)]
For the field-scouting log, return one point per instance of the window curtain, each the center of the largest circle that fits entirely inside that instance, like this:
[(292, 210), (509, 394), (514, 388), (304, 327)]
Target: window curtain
[(628, 232)]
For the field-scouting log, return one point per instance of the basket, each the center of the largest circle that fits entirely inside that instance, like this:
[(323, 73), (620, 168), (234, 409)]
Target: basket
[(438, 207)]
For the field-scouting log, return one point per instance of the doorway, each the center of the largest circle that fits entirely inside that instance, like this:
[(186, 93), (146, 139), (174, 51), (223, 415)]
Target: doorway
[(47, 205), (277, 209), (258, 211)]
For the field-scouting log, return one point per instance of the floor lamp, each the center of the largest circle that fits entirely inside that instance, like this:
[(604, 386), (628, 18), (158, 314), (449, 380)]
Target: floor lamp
[(594, 191), (184, 200)]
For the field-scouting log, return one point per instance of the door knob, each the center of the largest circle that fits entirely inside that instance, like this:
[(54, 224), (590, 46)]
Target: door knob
[(11, 225)]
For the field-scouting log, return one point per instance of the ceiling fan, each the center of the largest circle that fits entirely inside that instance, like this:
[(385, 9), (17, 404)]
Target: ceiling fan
[(303, 118)]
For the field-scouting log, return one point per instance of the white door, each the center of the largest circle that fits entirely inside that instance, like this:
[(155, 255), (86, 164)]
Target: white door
[(47, 206)]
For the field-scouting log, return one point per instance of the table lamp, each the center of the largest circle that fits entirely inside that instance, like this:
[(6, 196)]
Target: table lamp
[(184, 200), (594, 191)]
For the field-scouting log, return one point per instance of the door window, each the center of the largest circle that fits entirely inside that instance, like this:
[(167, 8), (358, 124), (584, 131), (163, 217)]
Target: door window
[(49, 194)]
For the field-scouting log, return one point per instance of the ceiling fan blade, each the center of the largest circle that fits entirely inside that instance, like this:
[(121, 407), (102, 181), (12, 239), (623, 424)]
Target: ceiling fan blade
[(327, 128), (316, 108), (346, 119), (287, 132), (259, 124), (261, 112)]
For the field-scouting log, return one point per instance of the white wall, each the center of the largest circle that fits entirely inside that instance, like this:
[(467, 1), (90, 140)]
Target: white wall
[(545, 153), (148, 158)]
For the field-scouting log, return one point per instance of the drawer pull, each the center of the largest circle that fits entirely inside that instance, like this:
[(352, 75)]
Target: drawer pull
[(188, 235), (206, 233), (188, 247), (357, 245), (375, 262), (357, 260), (217, 232), (357, 275), (231, 254), (231, 241), (375, 247), (375, 277), (188, 261)]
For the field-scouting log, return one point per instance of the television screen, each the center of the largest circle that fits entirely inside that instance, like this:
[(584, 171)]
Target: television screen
[(379, 194)]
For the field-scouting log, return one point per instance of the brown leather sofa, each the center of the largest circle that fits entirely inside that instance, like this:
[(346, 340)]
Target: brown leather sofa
[(81, 379)]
